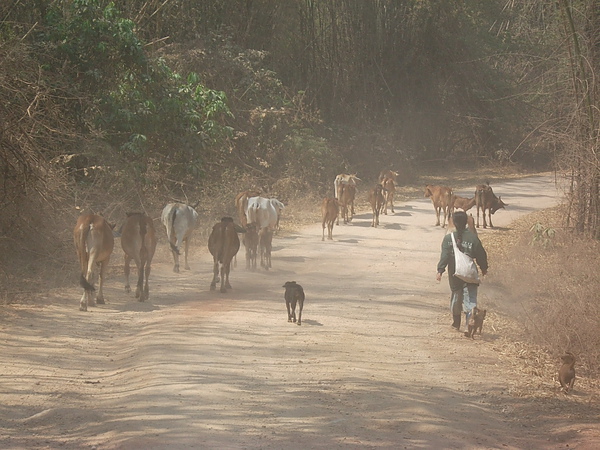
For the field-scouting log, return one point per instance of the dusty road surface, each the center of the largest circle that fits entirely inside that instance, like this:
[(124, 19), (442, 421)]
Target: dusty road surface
[(375, 363)]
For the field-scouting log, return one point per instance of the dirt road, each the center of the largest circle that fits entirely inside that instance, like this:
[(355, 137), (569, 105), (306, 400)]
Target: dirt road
[(375, 363)]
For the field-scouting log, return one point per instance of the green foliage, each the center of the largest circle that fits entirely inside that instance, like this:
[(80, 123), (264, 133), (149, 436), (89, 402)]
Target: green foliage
[(542, 235), (140, 104), (97, 41)]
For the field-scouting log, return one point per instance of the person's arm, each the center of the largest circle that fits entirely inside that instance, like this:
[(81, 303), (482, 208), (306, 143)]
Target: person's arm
[(444, 258), (481, 257)]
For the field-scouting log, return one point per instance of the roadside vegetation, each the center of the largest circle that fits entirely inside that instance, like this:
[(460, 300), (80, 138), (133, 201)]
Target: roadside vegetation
[(122, 106)]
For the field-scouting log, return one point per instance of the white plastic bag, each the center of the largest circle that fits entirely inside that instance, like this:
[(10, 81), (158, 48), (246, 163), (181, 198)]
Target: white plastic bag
[(465, 269)]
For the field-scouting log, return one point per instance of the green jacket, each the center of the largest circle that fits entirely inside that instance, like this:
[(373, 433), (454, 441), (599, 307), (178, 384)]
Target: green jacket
[(471, 245)]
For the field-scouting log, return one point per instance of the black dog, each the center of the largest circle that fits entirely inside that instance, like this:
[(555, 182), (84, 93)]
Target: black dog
[(294, 294)]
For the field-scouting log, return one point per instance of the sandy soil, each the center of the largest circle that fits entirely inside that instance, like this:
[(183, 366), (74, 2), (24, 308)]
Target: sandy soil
[(375, 363)]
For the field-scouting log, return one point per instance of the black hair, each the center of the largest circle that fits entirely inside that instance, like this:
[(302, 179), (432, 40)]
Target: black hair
[(460, 222)]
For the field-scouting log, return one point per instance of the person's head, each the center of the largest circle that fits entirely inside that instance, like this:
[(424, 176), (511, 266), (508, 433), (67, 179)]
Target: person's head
[(460, 220)]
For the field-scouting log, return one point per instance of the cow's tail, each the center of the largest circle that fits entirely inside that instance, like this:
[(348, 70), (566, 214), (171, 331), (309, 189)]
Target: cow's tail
[(170, 228), (83, 261)]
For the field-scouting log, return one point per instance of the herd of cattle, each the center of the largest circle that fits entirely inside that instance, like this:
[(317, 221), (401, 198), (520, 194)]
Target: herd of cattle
[(94, 242), (382, 195), (259, 219)]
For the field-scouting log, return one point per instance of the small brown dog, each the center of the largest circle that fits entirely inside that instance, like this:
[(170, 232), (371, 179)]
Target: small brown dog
[(294, 294), (475, 322), (566, 374)]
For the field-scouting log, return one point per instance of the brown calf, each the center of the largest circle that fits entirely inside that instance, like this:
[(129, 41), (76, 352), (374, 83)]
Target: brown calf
[(376, 200), (329, 211), (463, 203), (94, 243), (138, 240), (486, 200), (223, 244), (441, 197)]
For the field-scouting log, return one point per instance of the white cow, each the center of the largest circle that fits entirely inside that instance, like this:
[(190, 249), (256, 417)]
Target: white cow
[(180, 221), (264, 212), (343, 178)]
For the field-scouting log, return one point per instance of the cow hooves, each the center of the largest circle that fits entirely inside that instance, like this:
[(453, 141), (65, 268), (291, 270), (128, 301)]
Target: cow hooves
[(100, 301), (299, 323), (83, 308), (290, 320), (213, 287), (128, 289), (176, 269), (223, 290)]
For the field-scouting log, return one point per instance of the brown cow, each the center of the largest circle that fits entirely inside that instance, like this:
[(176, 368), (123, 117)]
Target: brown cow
[(389, 189), (485, 199), (241, 204), (250, 240), (223, 244), (94, 243), (387, 174), (138, 240), (441, 197), (265, 245), (347, 193), (329, 211), (343, 179), (377, 200), (463, 203)]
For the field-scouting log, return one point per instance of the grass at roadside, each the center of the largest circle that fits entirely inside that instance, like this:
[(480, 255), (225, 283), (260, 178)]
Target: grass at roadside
[(550, 304)]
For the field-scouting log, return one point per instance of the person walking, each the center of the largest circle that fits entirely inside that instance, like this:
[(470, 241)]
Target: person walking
[(463, 295)]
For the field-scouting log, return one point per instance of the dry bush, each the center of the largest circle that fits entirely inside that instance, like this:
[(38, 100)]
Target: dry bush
[(552, 287), (32, 190)]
